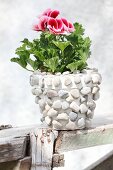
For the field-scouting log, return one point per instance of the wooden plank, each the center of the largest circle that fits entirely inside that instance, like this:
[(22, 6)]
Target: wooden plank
[(58, 160), (107, 164), (23, 164), (72, 140), (19, 131), (2, 127), (12, 149), (42, 141), (9, 165)]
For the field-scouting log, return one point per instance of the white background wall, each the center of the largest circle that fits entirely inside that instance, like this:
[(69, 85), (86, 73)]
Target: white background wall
[(17, 104)]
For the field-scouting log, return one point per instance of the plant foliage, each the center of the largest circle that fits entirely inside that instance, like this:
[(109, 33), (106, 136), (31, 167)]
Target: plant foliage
[(55, 53)]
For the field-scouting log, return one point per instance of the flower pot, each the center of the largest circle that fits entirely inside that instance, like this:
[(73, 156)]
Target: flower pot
[(66, 101)]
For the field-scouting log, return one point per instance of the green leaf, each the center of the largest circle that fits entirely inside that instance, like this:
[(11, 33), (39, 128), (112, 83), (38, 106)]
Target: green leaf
[(21, 62), (31, 62), (77, 65), (87, 42), (39, 55), (61, 45), (79, 30), (52, 63), (83, 55), (27, 43)]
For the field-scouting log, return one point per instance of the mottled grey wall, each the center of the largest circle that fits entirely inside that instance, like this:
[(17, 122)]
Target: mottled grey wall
[(16, 18)]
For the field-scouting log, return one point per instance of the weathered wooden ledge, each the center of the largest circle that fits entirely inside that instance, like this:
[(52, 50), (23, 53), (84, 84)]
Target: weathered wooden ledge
[(72, 140), (37, 146)]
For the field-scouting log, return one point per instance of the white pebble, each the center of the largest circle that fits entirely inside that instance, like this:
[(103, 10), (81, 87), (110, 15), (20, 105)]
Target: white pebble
[(63, 93), (42, 103), (96, 78), (87, 123), (86, 90), (56, 81), (52, 113), (71, 125), (77, 79), (57, 104), (83, 108), (36, 99), (66, 73), (74, 107), (81, 123), (58, 74), (75, 93), (79, 86), (82, 99), (47, 107), (88, 79), (90, 114), (67, 81), (36, 92), (73, 116), (96, 96), (91, 104), (65, 105), (62, 116), (95, 90), (69, 99), (48, 120), (48, 81), (34, 80), (52, 93), (56, 125)]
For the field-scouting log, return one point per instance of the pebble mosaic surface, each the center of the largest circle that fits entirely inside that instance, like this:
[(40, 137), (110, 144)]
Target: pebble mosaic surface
[(66, 101)]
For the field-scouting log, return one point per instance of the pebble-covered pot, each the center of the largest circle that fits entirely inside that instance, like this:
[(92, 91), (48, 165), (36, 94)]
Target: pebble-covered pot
[(66, 101)]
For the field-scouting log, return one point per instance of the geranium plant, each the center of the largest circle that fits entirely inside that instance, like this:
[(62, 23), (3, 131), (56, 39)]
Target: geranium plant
[(61, 45)]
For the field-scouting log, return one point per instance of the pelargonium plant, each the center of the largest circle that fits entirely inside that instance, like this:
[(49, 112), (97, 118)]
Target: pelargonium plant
[(61, 45)]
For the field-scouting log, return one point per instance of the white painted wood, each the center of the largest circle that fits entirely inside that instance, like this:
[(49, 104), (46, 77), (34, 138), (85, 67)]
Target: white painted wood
[(42, 141)]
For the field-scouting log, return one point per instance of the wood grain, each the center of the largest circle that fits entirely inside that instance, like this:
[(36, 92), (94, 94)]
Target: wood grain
[(42, 141), (22, 164), (12, 149), (72, 140)]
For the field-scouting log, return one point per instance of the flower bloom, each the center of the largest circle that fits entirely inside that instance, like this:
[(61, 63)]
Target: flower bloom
[(42, 24), (68, 26), (48, 21), (55, 26), (50, 13)]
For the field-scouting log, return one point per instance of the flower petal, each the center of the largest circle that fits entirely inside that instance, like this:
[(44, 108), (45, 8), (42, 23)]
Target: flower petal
[(55, 31), (54, 13), (52, 22), (47, 12), (71, 27), (36, 28), (43, 23), (64, 20), (60, 24)]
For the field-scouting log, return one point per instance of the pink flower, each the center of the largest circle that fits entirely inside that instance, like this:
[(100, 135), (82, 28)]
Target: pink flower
[(55, 26), (42, 25), (36, 28), (50, 13), (71, 27), (48, 20), (68, 26)]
